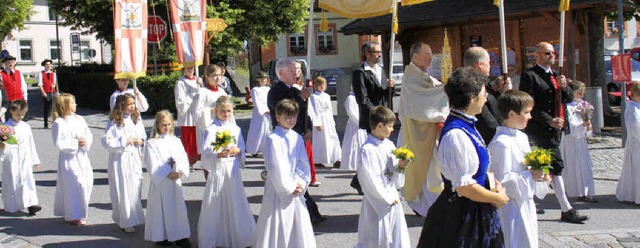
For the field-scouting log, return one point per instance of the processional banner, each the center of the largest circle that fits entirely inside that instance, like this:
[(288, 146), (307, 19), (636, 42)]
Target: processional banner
[(130, 29), (188, 18)]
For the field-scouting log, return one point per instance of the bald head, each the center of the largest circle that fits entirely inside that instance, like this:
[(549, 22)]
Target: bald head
[(545, 54), (478, 59)]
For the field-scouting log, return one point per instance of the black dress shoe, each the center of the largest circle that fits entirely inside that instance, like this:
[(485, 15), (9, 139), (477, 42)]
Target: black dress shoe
[(184, 243), (164, 243), (34, 209), (539, 210), (355, 183), (572, 216), (336, 164)]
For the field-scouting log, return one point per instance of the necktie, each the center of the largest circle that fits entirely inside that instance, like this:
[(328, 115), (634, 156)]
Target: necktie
[(559, 110)]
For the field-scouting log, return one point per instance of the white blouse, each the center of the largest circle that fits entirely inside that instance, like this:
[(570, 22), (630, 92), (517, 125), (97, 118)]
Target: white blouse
[(457, 157)]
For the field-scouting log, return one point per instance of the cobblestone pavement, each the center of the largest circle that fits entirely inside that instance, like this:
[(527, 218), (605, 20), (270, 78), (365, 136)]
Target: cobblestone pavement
[(611, 224)]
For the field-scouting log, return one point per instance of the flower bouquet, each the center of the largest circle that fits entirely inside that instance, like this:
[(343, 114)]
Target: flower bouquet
[(6, 135), (539, 159), (405, 154), (584, 110), (223, 138)]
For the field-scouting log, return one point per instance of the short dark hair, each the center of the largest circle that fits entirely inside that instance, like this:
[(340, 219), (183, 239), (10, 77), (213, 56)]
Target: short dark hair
[(366, 47), (221, 64), (464, 84), (381, 114), (287, 107), (18, 105), (513, 100)]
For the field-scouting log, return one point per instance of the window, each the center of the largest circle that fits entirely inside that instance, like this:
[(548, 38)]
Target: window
[(297, 45), (611, 28), (54, 50), (85, 48), (326, 43), (26, 50), (52, 14)]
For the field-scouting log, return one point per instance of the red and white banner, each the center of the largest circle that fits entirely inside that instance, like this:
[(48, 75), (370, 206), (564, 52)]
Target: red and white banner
[(130, 28), (188, 18), (621, 67)]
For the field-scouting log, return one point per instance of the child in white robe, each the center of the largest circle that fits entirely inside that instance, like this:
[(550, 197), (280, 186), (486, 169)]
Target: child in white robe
[(260, 118), (168, 166), (225, 216), (123, 83), (326, 144), (72, 137), (350, 147), (185, 91), (284, 220), (629, 186), (18, 162), (577, 174), (507, 151), (124, 139), (382, 222)]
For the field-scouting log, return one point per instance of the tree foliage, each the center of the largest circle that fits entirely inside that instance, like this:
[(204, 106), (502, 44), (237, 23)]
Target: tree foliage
[(263, 20), (14, 13)]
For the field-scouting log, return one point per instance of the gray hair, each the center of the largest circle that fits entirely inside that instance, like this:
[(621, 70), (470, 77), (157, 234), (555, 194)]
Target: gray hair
[(415, 48), (474, 55), (283, 64), (366, 47)]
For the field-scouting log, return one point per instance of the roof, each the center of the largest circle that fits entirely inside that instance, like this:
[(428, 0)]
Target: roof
[(441, 12)]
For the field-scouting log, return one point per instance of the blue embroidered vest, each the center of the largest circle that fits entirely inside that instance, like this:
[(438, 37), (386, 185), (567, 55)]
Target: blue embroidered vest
[(459, 121)]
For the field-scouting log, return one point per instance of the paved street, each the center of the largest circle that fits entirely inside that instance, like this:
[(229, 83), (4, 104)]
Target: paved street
[(612, 224)]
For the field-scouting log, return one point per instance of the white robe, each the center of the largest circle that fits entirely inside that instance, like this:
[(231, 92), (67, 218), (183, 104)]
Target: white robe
[(380, 224), (185, 91), (202, 109), (18, 183), (629, 185), (166, 210), (518, 218), (75, 175), (260, 120), (577, 173), (125, 172), (326, 144), (141, 102), (225, 216), (350, 146), (284, 220)]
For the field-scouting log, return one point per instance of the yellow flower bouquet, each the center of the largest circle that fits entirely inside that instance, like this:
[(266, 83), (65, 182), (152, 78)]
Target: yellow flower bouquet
[(223, 138), (405, 154), (539, 159)]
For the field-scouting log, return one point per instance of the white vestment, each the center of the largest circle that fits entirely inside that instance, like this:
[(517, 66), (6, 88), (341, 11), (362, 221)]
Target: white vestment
[(350, 147), (184, 92), (202, 110), (125, 172), (166, 210), (260, 120), (326, 144), (284, 221), (381, 224), (225, 216), (629, 183), (18, 183), (141, 102), (577, 173), (518, 217), (75, 175)]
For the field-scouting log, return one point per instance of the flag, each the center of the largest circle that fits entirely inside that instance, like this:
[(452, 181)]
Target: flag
[(130, 29), (188, 18), (564, 5), (357, 8), (411, 2)]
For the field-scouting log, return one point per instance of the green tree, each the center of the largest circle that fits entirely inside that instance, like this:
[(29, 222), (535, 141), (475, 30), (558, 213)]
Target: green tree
[(14, 13)]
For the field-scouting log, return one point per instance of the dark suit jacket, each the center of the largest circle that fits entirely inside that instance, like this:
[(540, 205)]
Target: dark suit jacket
[(368, 94), (489, 119), (281, 91), (537, 83)]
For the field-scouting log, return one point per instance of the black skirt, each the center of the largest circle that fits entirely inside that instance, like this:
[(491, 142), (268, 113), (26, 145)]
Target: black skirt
[(455, 221)]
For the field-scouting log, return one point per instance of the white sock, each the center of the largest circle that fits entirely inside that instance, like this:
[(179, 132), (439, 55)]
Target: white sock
[(558, 187)]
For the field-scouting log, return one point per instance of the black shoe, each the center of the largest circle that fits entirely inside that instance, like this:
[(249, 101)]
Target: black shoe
[(355, 183), (336, 165), (34, 209), (418, 214), (588, 199), (318, 220), (572, 216), (164, 243), (184, 243), (539, 210)]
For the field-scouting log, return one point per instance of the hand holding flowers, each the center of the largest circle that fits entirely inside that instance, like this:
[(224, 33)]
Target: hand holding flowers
[(539, 162), (405, 155), (7, 135), (223, 138)]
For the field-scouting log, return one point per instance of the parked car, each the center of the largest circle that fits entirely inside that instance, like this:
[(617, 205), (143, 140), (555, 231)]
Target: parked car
[(331, 75), (397, 73)]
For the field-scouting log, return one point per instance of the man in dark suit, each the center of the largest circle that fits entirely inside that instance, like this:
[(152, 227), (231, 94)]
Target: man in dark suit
[(549, 117), (371, 87), (287, 88)]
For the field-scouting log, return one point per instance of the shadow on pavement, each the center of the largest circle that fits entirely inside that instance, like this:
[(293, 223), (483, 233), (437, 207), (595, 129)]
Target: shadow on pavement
[(86, 243)]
